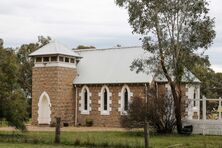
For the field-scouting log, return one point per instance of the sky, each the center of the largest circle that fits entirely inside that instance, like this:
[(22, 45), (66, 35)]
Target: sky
[(87, 22)]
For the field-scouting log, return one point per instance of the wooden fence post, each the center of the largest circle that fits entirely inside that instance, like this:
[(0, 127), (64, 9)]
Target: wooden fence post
[(146, 125), (57, 130)]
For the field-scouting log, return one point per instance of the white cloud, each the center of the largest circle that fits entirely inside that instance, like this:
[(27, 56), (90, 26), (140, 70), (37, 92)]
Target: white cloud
[(93, 22), (24, 20), (217, 68)]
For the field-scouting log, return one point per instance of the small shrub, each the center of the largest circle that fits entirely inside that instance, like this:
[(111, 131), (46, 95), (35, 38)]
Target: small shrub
[(89, 122), (26, 140), (3, 123), (77, 142), (160, 113), (35, 141), (105, 144)]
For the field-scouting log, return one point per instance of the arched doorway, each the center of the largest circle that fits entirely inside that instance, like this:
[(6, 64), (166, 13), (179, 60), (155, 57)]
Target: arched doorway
[(44, 109)]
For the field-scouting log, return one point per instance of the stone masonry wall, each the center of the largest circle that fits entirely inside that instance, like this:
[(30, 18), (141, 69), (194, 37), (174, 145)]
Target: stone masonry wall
[(112, 120), (58, 83)]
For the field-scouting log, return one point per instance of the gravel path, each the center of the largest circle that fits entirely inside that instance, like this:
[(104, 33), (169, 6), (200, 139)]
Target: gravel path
[(37, 128)]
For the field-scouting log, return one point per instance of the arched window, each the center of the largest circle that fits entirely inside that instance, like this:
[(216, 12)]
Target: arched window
[(44, 109), (125, 98), (194, 97), (85, 101), (105, 101)]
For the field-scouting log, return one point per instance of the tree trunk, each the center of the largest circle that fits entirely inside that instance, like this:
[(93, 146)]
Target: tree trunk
[(57, 130), (176, 97), (178, 118), (177, 106)]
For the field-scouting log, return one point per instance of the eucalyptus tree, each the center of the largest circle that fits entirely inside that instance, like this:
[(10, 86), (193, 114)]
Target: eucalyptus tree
[(173, 31), (13, 105), (25, 66)]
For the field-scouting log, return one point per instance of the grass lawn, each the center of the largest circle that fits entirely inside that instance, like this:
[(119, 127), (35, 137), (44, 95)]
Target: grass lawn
[(105, 139), (25, 145)]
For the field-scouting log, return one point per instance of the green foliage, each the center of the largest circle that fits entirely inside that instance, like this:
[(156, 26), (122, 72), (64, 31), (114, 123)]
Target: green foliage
[(13, 104), (135, 117), (173, 30), (159, 114), (89, 122), (211, 82), (25, 64), (85, 47), (15, 110), (218, 84)]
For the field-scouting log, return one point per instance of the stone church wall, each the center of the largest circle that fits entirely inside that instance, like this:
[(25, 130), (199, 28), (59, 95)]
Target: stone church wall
[(112, 120), (57, 83)]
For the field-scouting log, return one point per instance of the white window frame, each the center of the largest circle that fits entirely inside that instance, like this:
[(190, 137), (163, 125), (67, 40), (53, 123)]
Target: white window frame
[(82, 101), (121, 100), (101, 101)]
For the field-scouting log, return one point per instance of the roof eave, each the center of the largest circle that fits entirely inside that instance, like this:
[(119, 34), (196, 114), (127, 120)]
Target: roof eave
[(96, 83), (33, 55)]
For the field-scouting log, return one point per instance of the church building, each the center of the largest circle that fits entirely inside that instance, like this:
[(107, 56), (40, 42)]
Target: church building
[(91, 84)]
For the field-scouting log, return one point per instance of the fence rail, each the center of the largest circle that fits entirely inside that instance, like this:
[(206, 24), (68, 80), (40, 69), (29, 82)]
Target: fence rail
[(204, 125), (204, 106)]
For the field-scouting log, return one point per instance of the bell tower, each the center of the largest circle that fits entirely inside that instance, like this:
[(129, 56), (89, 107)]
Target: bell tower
[(52, 84)]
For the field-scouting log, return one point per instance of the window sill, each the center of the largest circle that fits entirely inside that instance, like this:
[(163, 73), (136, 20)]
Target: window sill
[(85, 112), (105, 113)]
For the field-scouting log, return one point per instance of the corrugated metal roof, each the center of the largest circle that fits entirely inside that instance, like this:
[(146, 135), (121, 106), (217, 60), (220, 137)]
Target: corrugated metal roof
[(187, 77), (105, 66), (54, 48), (111, 66)]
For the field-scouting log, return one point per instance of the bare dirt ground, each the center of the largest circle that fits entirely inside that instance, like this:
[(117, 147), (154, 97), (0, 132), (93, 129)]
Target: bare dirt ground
[(82, 129)]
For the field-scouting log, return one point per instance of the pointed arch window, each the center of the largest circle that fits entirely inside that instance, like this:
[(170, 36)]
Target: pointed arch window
[(125, 98), (85, 101), (44, 109), (105, 101)]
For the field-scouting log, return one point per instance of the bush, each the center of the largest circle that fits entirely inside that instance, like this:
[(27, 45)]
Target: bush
[(135, 115), (77, 142), (89, 122), (160, 113)]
